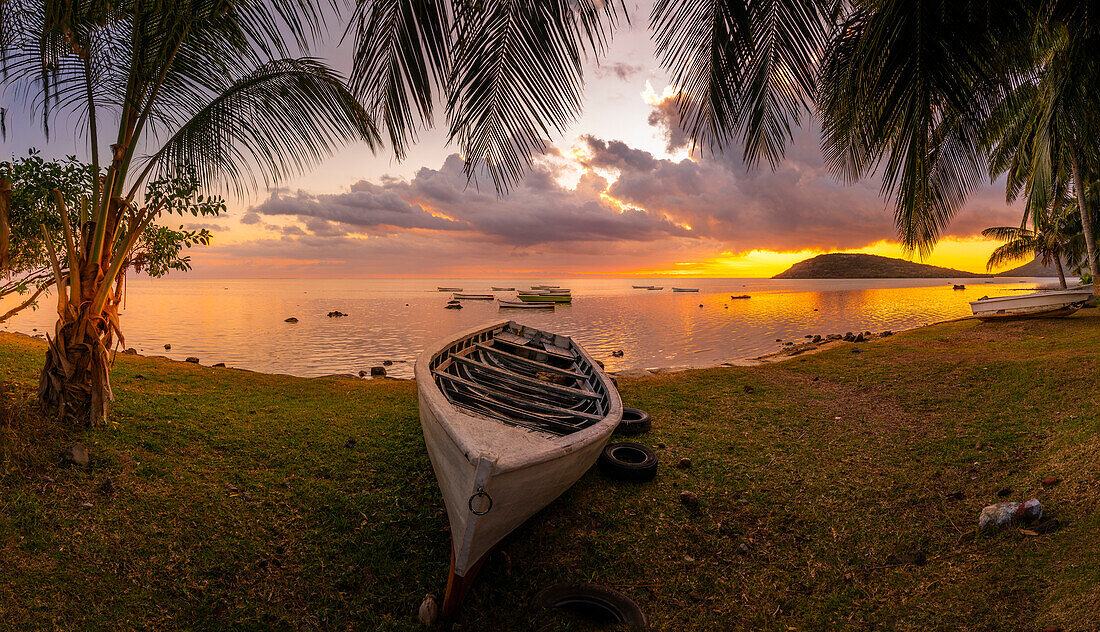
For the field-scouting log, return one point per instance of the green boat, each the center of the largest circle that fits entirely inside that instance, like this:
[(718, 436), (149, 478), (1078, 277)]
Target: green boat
[(545, 297)]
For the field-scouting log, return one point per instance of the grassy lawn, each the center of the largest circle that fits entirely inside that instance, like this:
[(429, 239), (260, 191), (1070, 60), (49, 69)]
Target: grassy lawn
[(236, 500)]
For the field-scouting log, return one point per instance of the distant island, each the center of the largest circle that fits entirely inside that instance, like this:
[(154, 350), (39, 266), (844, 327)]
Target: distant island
[(857, 266), (1035, 268)]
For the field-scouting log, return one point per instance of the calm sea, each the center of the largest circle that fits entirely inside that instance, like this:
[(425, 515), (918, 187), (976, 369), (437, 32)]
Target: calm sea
[(240, 321)]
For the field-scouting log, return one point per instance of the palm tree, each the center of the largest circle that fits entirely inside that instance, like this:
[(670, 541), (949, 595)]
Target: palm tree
[(1050, 240), (201, 93)]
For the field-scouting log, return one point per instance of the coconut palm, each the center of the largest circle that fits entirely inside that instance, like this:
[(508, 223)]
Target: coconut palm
[(1050, 239), (199, 93)]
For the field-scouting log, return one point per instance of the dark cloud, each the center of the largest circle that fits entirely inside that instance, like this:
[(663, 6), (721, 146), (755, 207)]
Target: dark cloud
[(538, 211), (251, 218), (622, 71)]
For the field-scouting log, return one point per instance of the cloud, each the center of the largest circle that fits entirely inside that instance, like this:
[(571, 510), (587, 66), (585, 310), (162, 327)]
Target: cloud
[(620, 70), (539, 210), (629, 209)]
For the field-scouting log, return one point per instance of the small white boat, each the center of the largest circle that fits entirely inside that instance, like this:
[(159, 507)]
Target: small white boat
[(473, 297), (641, 287), (656, 287), (448, 289), (685, 289), (503, 289), (512, 417), (1032, 305), (523, 305)]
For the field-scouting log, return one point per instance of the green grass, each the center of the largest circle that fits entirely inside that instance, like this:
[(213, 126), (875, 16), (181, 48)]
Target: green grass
[(238, 505)]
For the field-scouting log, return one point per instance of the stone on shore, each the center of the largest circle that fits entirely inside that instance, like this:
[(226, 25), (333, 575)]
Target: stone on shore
[(219, 365), (291, 320), (129, 351), (1051, 481), (192, 360), (429, 610), (1001, 515), (684, 464), (377, 371), (76, 455), (689, 499)]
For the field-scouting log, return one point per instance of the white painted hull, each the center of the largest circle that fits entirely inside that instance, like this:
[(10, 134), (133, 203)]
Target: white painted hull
[(521, 470), (1033, 304)]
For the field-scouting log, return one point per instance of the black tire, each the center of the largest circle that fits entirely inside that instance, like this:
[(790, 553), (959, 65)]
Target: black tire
[(629, 461), (635, 421), (592, 603)]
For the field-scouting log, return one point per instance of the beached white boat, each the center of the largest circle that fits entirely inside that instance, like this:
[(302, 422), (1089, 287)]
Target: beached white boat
[(448, 289), (685, 289), (503, 289), (512, 417), (1032, 305), (522, 305), (473, 297)]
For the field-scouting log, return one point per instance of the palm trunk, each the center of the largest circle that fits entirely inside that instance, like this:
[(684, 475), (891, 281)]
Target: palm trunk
[(75, 382), (1061, 273), (5, 221), (1086, 219)]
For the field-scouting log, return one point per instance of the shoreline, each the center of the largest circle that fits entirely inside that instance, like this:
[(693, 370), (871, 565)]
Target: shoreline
[(786, 353)]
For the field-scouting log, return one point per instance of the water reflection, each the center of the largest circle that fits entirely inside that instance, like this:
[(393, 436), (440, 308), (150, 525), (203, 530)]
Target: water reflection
[(240, 322)]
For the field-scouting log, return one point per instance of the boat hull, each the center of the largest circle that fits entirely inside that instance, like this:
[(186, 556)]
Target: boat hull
[(546, 298), (494, 476), (1033, 305)]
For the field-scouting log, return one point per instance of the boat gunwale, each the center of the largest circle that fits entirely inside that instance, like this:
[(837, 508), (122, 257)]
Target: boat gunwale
[(441, 407)]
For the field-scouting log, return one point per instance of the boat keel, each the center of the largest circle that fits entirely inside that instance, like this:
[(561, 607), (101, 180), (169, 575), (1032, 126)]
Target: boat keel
[(457, 589)]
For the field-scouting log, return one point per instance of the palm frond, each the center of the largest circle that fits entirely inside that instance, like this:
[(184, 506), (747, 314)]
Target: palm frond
[(743, 69), (271, 123), (401, 62), (906, 87), (516, 77), (1012, 251)]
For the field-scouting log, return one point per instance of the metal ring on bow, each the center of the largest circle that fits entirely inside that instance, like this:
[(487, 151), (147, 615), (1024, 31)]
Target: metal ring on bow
[(478, 494)]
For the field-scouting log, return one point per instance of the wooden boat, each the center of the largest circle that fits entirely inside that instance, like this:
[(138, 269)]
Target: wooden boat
[(545, 287), (503, 289), (642, 287), (512, 417), (545, 297), (656, 287), (740, 296), (473, 297), (448, 289), (685, 289), (1032, 305), (522, 305)]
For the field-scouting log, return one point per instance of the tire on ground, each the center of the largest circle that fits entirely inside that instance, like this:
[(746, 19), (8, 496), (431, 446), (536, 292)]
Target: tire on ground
[(628, 461), (593, 603), (635, 421)]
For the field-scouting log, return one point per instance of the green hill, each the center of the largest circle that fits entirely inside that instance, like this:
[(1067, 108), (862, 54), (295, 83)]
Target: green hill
[(856, 266), (1035, 268)]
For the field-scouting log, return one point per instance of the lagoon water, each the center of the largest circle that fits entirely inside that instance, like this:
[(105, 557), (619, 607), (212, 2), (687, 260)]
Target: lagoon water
[(240, 321)]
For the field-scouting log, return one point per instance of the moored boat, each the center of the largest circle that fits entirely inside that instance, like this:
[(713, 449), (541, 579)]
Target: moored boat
[(512, 417), (448, 289), (685, 289), (522, 305), (503, 289), (473, 297), (545, 297), (656, 287), (1032, 305), (641, 287)]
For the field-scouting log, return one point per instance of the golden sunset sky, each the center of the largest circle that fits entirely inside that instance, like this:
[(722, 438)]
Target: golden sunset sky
[(619, 193)]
